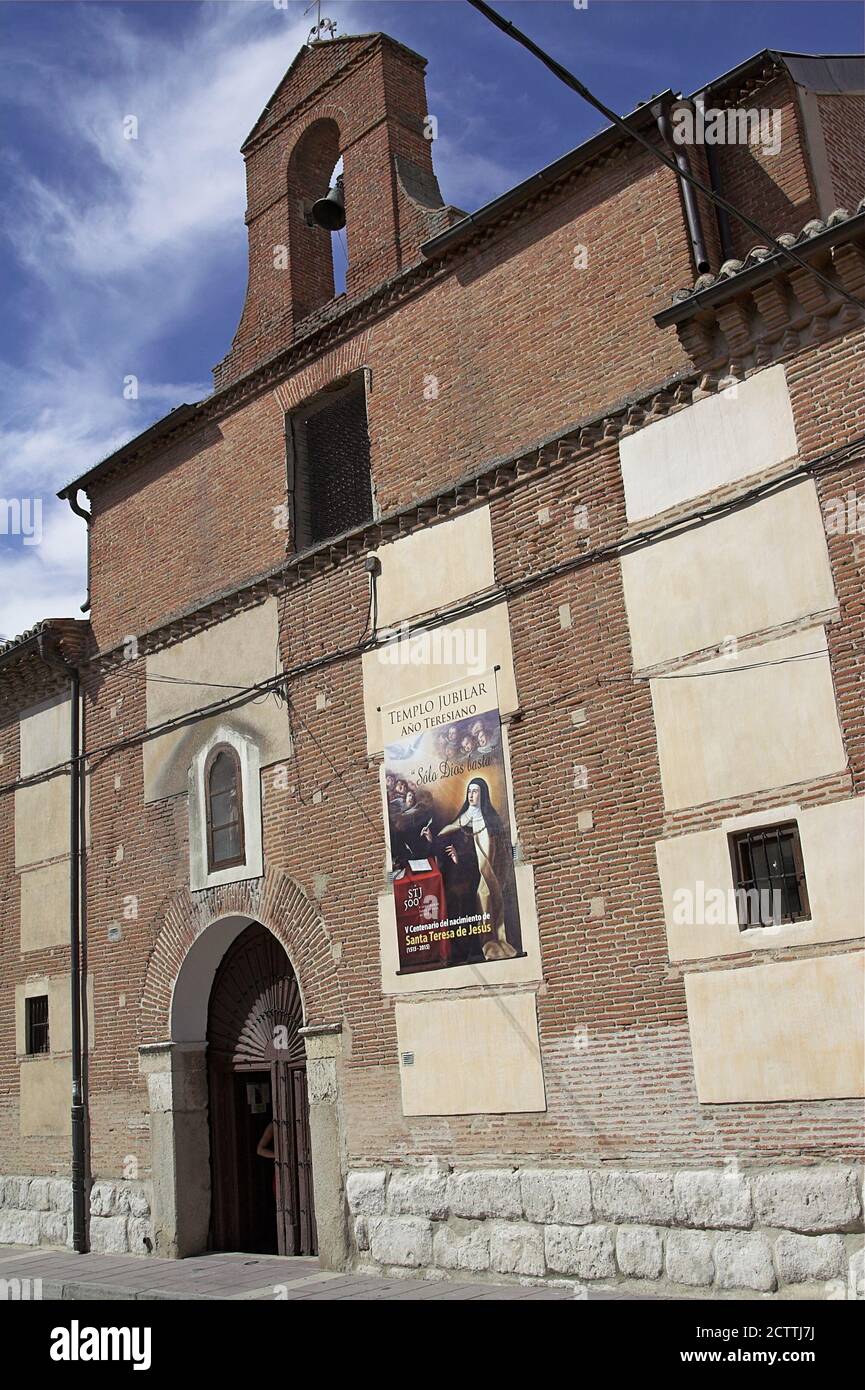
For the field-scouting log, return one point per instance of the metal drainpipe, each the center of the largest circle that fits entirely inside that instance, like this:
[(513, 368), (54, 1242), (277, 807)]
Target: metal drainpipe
[(72, 499), (722, 217), (54, 657), (79, 1115), (689, 197)]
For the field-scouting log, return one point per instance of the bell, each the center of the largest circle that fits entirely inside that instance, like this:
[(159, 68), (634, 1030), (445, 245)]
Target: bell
[(329, 212)]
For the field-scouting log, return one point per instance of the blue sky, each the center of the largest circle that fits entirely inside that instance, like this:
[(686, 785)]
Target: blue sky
[(128, 257)]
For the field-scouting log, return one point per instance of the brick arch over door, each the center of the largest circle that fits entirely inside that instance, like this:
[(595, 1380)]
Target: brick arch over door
[(278, 903)]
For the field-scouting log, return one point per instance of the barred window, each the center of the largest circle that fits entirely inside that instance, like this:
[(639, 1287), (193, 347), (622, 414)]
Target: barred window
[(223, 787), (329, 481), (769, 875), (36, 1024)]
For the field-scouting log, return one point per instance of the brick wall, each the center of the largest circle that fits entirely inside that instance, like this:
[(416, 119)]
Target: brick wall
[(521, 344), (844, 133), (514, 323), (628, 1093), (509, 319), (776, 189), (195, 522)]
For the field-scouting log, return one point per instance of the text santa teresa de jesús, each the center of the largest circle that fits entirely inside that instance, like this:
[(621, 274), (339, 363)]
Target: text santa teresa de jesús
[(423, 933)]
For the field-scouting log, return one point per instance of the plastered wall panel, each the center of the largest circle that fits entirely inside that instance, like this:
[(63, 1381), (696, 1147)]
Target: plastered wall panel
[(45, 735), (763, 718), (715, 442), (435, 567), (695, 869), (46, 1097), (45, 906), (42, 821), (753, 569), (791, 1030), (242, 650), (465, 648), (472, 1056), (833, 842)]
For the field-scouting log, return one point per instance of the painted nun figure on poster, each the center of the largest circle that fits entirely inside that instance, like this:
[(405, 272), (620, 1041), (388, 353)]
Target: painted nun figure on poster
[(478, 818)]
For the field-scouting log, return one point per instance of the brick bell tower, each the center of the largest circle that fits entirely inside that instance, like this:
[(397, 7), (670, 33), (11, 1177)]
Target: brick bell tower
[(362, 97)]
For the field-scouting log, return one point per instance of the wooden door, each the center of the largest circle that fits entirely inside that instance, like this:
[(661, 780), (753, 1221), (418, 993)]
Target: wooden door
[(295, 1213), (254, 1018)]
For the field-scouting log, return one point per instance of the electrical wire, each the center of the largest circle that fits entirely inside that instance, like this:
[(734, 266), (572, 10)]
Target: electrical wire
[(157, 731), (831, 459), (564, 75), (335, 769), (96, 756), (733, 670), (177, 680)]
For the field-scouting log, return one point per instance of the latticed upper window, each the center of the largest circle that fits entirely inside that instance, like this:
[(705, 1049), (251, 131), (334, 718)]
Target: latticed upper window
[(769, 875), (223, 788), (330, 487)]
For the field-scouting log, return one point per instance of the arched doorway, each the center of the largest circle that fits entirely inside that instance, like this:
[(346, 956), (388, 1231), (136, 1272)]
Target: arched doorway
[(256, 1072)]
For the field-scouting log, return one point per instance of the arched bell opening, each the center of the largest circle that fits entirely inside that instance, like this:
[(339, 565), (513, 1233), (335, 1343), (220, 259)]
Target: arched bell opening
[(256, 1078), (318, 232), (330, 213)]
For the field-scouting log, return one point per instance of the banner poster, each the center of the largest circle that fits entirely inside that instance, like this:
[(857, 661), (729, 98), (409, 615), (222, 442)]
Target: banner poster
[(449, 827)]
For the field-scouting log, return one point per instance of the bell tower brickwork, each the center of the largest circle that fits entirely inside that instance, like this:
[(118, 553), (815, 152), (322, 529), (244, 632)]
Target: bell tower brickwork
[(363, 98)]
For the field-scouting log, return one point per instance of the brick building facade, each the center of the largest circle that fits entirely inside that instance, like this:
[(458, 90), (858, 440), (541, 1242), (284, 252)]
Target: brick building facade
[(640, 508)]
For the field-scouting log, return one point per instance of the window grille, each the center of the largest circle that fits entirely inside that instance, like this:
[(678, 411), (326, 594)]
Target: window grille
[(769, 875), (36, 1024)]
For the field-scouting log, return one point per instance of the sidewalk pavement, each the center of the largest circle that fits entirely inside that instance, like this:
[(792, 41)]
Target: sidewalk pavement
[(68, 1276)]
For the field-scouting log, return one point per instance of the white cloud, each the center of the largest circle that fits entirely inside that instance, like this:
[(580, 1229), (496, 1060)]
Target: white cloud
[(468, 179), (115, 260), (164, 193), (42, 581)]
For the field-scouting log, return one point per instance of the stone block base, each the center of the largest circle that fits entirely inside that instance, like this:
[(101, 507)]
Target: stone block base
[(765, 1233), (38, 1211)]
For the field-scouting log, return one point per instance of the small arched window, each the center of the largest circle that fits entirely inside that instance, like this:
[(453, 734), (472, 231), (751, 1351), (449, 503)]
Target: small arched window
[(223, 794)]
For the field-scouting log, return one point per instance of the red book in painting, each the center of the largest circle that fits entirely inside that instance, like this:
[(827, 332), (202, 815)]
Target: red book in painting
[(421, 916)]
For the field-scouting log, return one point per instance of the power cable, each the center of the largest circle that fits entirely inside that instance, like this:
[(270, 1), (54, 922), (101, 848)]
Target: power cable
[(564, 75), (733, 670), (178, 680), (157, 731), (335, 769), (831, 459)]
